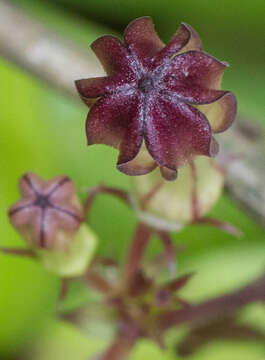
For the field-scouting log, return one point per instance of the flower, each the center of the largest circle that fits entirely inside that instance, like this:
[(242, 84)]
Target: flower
[(50, 218), (158, 105)]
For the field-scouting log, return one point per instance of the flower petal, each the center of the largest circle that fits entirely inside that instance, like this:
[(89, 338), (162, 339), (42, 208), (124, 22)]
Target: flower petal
[(168, 174), (112, 54), (142, 40), (175, 132), (96, 87), (192, 94), (184, 39), (194, 42), (55, 185), (30, 185), (195, 77), (21, 212), (116, 120), (221, 113), (142, 164)]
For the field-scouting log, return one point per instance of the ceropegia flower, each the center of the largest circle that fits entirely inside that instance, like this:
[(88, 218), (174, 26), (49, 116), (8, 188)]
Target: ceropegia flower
[(50, 218), (158, 105)]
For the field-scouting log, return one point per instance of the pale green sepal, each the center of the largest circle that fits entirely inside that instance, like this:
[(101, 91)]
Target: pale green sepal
[(75, 260)]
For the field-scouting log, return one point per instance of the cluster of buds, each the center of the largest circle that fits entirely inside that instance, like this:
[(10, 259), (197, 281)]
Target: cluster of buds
[(146, 306)]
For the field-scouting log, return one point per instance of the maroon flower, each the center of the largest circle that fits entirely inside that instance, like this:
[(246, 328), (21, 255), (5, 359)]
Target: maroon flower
[(48, 211), (145, 102)]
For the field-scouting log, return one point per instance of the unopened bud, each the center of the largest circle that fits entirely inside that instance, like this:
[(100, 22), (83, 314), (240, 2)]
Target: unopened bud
[(50, 218), (171, 205)]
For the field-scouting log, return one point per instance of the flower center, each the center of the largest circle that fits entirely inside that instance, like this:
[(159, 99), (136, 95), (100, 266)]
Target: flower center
[(42, 202), (145, 84)]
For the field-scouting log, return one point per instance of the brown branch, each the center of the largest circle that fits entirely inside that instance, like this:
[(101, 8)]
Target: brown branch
[(140, 240), (215, 308), (101, 189), (18, 252), (59, 63)]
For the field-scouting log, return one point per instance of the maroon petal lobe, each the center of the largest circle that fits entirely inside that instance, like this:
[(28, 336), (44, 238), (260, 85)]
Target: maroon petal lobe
[(142, 40), (185, 39), (116, 120), (96, 87), (113, 55), (195, 77), (221, 113), (175, 132), (194, 42)]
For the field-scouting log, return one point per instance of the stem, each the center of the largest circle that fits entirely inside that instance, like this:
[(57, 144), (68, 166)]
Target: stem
[(222, 225), (18, 252), (140, 240), (64, 289), (194, 196), (148, 197), (97, 282), (215, 308), (170, 251), (100, 189), (120, 349)]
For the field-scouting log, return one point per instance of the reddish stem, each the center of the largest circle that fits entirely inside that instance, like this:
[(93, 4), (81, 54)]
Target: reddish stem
[(215, 308), (170, 251), (64, 289), (222, 225), (97, 282), (194, 196), (125, 340), (148, 197), (140, 240), (18, 252), (100, 189)]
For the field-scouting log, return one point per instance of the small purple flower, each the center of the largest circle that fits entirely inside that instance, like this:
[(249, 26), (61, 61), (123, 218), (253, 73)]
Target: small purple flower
[(48, 211), (159, 105)]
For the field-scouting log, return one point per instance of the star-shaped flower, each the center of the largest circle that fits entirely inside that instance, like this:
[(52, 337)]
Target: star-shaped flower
[(48, 213), (159, 105)]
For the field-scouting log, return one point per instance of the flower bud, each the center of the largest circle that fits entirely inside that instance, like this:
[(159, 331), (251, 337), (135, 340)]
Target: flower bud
[(50, 218), (171, 205), (74, 261)]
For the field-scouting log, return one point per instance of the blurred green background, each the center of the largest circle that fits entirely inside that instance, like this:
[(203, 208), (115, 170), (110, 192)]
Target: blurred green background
[(42, 131)]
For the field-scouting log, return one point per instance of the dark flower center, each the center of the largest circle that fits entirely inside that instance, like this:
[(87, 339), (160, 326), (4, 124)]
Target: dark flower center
[(42, 201), (145, 84)]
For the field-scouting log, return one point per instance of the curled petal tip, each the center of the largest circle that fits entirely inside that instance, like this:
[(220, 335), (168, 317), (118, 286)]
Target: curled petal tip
[(221, 113), (169, 174)]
